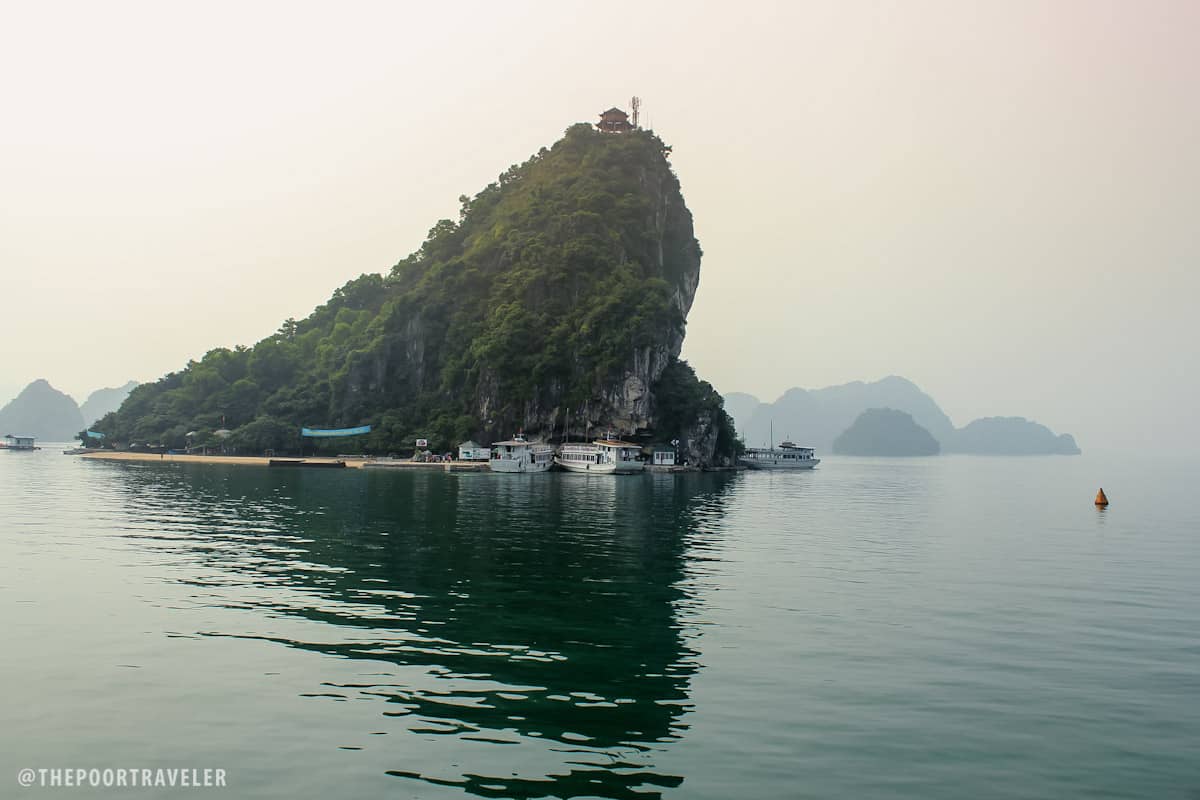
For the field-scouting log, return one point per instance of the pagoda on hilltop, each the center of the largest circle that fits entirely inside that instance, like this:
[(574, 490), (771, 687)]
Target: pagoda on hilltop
[(614, 121)]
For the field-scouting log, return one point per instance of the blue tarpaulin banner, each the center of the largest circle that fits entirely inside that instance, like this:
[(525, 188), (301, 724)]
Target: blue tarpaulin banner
[(317, 433), (95, 434)]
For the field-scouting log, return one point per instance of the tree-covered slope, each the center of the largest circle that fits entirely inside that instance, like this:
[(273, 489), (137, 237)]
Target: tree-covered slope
[(558, 296)]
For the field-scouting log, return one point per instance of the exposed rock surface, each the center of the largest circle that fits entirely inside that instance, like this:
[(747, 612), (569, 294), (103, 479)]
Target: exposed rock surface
[(555, 305)]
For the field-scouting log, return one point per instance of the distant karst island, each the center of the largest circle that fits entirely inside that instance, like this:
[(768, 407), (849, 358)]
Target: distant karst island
[(555, 305), (1012, 436), (818, 417), (44, 412), (885, 432), (104, 401)]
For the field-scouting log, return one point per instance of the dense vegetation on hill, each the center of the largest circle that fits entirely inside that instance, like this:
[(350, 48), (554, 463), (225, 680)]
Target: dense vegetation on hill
[(885, 432), (683, 400), (558, 297)]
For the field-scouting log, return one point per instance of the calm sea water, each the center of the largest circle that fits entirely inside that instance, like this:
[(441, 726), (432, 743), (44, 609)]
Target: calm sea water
[(928, 628)]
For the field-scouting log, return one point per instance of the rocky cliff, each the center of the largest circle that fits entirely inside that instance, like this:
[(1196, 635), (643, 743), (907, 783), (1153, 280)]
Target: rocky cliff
[(555, 304)]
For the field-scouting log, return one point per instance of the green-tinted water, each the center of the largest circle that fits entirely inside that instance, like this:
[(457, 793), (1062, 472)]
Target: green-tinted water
[(945, 627)]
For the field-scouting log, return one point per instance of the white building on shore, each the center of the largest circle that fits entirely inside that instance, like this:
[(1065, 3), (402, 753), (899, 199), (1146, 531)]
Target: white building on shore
[(472, 451)]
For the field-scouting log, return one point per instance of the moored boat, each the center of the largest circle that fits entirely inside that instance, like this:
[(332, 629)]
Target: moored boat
[(603, 456), (518, 454), (785, 456)]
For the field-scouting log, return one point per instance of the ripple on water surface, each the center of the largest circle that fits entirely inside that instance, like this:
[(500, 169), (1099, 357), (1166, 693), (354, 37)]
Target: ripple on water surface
[(870, 628)]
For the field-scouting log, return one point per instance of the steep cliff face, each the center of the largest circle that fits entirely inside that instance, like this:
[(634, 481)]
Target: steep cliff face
[(555, 304)]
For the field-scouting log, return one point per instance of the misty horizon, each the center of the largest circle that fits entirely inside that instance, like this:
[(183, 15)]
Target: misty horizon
[(624, 399), (990, 201)]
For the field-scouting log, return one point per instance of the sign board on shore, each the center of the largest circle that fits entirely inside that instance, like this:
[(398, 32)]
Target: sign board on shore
[(318, 433), (422, 443)]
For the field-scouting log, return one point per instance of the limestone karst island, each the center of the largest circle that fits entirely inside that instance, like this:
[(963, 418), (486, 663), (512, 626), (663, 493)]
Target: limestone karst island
[(820, 427), (555, 305)]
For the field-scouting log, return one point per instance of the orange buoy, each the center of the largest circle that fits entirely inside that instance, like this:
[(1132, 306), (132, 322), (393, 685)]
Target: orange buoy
[(1101, 498)]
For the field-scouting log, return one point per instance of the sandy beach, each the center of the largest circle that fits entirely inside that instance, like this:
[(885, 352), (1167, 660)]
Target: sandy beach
[(263, 461)]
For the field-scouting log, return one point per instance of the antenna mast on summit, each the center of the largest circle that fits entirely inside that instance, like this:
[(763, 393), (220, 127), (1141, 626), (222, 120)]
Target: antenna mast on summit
[(635, 103)]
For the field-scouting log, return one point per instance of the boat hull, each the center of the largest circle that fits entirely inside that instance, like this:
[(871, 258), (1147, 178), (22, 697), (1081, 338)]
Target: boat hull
[(511, 465), (602, 469), (779, 465)]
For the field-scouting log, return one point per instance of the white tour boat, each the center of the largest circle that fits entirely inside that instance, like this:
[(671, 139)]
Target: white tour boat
[(786, 456), (520, 455), (603, 456)]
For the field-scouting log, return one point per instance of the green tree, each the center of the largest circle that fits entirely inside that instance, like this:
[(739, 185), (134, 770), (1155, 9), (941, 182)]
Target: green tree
[(548, 286)]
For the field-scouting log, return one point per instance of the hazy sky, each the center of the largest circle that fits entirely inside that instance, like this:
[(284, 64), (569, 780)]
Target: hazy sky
[(1000, 201)]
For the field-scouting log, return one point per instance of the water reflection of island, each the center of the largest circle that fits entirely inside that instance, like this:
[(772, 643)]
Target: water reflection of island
[(550, 612)]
